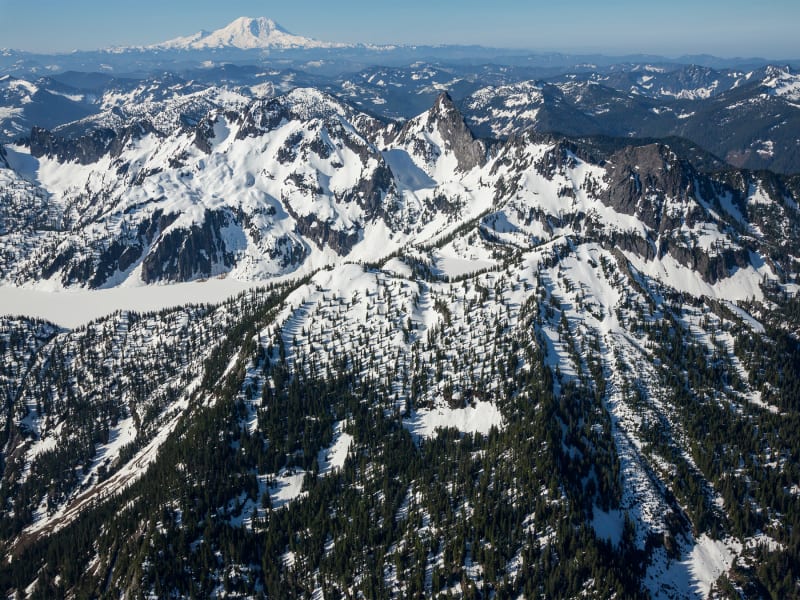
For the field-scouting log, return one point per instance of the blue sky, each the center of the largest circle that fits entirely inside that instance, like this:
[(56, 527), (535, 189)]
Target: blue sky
[(732, 28)]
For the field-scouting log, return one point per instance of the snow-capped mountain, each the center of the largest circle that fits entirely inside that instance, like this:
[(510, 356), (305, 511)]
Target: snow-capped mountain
[(689, 82), (756, 109), (565, 328), (782, 82), (244, 33)]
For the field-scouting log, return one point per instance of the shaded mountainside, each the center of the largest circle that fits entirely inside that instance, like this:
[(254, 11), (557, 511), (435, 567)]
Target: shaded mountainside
[(748, 119)]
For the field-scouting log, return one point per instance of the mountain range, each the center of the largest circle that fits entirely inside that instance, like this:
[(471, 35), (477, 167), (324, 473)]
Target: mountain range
[(506, 335), (242, 41), (746, 118)]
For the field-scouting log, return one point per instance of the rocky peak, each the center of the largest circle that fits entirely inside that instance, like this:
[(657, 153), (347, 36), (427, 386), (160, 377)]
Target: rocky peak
[(663, 190), (446, 120), (444, 107), (301, 104), (642, 178), (776, 71), (84, 150)]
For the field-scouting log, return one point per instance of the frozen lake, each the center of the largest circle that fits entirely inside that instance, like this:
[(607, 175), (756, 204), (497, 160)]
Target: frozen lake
[(73, 308)]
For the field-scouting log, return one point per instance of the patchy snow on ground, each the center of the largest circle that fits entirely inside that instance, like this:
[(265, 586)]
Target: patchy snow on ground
[(743, 284), (129, 473), (609, 525), (454, 266), (332, 459), (693, 576), (707, 561), (479, 418), (396, 267), (746, 317), (288, 486), (461, 258)]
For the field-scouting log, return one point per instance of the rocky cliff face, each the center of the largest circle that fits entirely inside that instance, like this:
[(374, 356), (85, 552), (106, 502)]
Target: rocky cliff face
[(441, 131), (89, 148), (647, 181), (458, 138), (201, 250), (666, 194)]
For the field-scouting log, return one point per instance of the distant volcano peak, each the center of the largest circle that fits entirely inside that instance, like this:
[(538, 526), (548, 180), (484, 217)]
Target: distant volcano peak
[(245, 33)]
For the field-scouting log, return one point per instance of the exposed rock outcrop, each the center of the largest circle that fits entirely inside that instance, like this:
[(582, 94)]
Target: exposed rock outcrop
[(88, 148), (186, 253), (445, 119)]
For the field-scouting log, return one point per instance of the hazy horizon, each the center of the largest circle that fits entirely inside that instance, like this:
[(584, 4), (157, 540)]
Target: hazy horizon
[(730, 29)]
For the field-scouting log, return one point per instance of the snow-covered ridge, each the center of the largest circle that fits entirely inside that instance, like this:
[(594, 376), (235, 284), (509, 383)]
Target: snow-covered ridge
[(505, 109), (784, 84), (270, 186)]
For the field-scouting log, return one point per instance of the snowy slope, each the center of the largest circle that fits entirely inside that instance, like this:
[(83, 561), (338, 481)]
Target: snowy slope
[(252, 170)]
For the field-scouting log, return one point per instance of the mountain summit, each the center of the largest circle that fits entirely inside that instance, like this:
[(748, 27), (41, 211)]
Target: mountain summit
[(245, 33)]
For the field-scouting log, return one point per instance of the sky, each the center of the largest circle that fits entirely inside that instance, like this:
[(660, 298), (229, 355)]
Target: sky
[(766, 28)]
